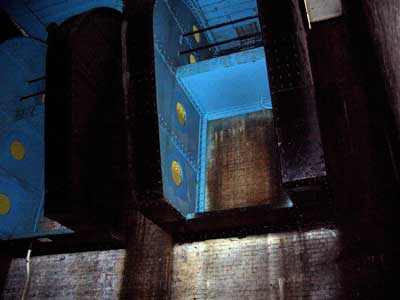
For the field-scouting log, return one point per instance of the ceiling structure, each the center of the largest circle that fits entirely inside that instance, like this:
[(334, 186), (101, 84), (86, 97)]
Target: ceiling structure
[(212, 13), (33, 16)]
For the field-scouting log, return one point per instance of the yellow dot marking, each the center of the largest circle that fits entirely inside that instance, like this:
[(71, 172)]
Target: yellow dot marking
[(17, 150), (192, 59), (4, 205), (176, 172), (197, 36), (43, 98), (181, 113)]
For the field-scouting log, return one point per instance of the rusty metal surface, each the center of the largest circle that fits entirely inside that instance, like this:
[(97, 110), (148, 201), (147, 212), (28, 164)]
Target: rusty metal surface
[(383, 24), (243, 164), (293, 92)]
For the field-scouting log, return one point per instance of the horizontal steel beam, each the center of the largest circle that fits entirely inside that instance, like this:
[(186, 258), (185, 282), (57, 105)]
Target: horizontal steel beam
[(220, 25), (240, 38)]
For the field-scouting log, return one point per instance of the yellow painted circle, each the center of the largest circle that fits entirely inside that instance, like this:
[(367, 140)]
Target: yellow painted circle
[(4, 205), (181, 113), (17, 150), (192, 59), (176, 171), (197, 36)]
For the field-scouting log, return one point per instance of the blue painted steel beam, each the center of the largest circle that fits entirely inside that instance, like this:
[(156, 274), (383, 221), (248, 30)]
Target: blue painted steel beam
[(228, 85), (21, 136), (178, 141), (208, 88)]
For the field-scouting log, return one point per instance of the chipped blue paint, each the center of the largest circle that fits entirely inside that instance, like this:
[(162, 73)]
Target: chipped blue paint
[(22, 60)]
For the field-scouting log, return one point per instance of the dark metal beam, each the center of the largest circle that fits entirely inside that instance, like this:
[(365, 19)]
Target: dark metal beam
[(220, 25), (240, 38), (37, 79), (32, 95)]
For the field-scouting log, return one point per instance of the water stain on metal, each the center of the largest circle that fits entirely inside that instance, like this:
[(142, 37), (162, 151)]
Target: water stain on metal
[(242, 162)]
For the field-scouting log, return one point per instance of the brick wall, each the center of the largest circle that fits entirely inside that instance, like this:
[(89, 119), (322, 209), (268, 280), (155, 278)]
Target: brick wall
[(89, 275), (310, 264), (242, 162), (140, 272), (295, 265)]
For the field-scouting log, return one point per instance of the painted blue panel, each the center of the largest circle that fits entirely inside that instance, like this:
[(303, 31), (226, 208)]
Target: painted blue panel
[(30, 170), (178, 142), (187, 19), (10, 78), (167, 35), (22, 60), (169, 92), (61, 12), (24, 209), (172, 18), (182, 197), (201, 176), (187, 134), (211, 88), (228, 85), (36, 5), (34, 16), (24, 17), (217, 11)]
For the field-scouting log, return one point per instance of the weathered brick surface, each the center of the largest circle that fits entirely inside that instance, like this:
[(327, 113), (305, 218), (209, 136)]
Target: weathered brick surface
[(140, 272), (90, 275), (148, 265), (308, 265), (295, 265)]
